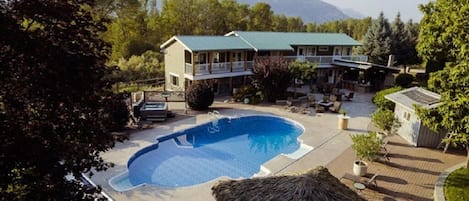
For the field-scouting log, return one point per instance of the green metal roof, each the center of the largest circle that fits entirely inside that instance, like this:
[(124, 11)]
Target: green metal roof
[(285, 40), (212, 43)]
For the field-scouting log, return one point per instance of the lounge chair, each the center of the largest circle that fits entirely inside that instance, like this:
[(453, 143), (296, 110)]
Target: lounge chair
[(357, 179), (336, 107), (349, 96), (372, 181)]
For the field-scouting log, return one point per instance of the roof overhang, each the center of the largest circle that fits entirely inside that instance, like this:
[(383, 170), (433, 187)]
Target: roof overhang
[(171, 41), (363, 65)]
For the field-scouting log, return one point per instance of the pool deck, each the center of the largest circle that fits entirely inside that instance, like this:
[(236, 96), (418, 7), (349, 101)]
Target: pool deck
[(330, 144)]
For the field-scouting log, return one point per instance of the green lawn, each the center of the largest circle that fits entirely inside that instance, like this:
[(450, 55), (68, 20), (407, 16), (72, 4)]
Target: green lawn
[(457, 185)]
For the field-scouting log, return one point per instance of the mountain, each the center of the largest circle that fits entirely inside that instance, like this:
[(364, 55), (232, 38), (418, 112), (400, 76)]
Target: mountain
[(353, 13), (309, 10)]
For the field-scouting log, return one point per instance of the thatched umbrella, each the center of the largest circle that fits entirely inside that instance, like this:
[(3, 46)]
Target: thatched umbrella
[(317, 184)]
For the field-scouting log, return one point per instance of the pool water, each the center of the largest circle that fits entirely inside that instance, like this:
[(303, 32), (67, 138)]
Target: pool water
[(233, 147)]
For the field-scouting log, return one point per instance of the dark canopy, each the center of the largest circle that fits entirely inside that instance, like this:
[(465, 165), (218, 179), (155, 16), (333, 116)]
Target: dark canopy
[(317, 184)]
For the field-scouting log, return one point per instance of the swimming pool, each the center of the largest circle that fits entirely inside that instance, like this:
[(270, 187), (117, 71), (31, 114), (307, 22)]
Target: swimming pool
[(233, 147)]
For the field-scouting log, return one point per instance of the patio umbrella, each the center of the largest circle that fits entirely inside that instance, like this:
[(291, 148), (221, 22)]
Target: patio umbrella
[(316, 184)]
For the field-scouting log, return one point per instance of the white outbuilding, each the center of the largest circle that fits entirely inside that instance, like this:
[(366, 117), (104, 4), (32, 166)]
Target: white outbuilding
[(412, 128)]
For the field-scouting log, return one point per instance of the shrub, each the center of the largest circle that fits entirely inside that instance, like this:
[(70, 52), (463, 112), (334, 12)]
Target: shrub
[(199, 96), (366, 146), (404, 80), (383, 103), (385, 120)]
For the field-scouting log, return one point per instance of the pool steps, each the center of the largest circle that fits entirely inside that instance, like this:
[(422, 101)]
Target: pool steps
[(121, 182), (303, 150)]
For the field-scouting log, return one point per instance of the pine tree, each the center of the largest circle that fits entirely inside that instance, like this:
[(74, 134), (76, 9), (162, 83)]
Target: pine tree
[(399, 45), (377, 41)]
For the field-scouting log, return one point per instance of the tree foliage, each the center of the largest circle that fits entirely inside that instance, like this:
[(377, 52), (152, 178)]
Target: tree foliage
[(385, 120), (443, 37), (355, 28), (55, 99), (271, 77), (145, 66), (383, 103), (377, 41), (453, 113), (403, 41)]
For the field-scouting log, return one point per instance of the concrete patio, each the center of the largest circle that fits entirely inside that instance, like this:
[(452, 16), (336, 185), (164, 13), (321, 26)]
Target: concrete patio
[(331, 149)]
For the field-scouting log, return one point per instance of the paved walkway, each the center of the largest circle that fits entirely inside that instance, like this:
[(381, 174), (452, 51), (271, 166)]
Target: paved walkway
[(331, 148), (410, 175)]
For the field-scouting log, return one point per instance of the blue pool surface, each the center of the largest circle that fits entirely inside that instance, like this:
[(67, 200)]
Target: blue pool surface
[(233, 147)]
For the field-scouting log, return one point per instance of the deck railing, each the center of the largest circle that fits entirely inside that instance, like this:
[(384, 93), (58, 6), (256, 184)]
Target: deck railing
[(240, 66)]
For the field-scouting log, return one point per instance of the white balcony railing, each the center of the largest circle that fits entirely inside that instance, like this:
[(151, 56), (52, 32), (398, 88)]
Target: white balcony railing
[(217, 68), (240, 66), (325, 59)]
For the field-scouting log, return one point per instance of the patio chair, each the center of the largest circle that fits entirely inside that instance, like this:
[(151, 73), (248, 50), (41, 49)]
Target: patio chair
[(349, 96), (336, 107), (320, 109), (311, 98)]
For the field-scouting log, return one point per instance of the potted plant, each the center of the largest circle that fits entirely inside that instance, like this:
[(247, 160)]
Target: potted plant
[(343, 120), (385, 120), (366, 147)]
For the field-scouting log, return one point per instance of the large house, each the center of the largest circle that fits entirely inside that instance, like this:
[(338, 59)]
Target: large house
[(227, 60)]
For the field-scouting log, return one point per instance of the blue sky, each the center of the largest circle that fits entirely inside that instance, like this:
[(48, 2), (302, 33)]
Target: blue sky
[(408, 8)]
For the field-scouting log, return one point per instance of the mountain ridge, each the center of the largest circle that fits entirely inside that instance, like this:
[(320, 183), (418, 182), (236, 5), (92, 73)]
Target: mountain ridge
[(315, 11)]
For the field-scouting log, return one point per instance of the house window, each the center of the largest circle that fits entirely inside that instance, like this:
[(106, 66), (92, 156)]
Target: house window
[(337, 51), (219, 57), (174, 79), (311, 51), (201, 58), (407, 116), (188, 57), (237, 56), (323, 48)]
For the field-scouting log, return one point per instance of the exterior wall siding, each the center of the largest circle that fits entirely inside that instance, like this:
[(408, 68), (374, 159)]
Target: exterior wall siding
[(174, 64), (429, 138), (410, 126)]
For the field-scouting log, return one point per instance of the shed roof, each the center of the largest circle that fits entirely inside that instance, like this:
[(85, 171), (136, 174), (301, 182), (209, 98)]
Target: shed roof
[(285, 40), (209, 43), (317, 184), (415, 96)]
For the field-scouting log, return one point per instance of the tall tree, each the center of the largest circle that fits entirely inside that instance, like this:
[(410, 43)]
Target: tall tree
[(399, 40), (53, 96), (260, 17), (211, 22), (410, 56), (444, 34), (453, 113), (377, 41), (179, 17), (236, 15)]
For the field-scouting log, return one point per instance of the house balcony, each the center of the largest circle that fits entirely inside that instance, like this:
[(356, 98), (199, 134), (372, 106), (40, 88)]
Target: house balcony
[(322, 61), (218, 70)]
